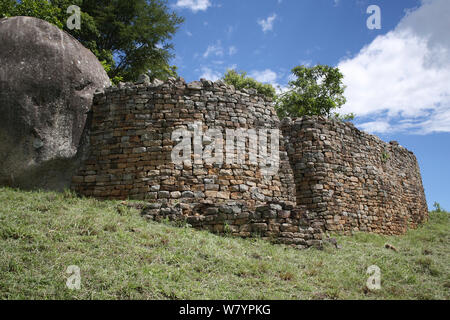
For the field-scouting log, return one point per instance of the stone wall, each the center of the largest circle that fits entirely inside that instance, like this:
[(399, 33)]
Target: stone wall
[(131, 157), (331, 176), (131, 145), (348, 180)]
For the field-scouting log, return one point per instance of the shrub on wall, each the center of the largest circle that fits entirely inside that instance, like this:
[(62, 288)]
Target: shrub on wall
[(315, 91), (242, 81)]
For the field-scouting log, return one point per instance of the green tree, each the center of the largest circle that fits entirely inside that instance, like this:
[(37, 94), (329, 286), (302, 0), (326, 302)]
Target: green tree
[(6, 7), (129, 37), (315, 90), (41, 9), (241, 81), (437, 207)]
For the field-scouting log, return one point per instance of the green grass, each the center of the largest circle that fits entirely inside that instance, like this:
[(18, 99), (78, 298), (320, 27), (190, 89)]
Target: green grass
[(123, 256)]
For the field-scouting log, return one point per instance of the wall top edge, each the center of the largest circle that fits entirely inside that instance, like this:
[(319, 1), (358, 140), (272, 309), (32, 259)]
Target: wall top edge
[(178, 84)]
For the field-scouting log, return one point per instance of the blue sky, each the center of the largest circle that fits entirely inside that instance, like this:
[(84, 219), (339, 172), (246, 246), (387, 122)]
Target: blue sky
[(397, 77)]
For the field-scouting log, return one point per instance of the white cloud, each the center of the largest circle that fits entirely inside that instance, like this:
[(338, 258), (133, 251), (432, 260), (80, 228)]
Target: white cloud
[(232, 50), (193, 5), (214, 49), (209, 74), (376, 126), (267, 24), (306, 63), (265, 76), (270, 77), (400, 81), (229, 31), (291, 77)]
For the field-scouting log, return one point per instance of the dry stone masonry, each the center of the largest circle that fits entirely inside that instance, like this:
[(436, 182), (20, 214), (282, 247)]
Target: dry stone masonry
[(331, 176), (347, 180)]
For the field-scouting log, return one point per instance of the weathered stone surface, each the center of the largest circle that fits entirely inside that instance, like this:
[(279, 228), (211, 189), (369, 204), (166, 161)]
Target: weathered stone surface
[(349, 180), (332, 176), (47, 80)]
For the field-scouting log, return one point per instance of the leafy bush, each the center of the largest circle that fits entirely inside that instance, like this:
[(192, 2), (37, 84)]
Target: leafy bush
[(241, 81), (315, 90), (41, 9), (437, 207)]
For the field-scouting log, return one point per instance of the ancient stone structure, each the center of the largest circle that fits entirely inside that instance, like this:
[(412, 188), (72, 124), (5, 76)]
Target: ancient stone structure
[(349, 180), (47, 80), (330, 177)]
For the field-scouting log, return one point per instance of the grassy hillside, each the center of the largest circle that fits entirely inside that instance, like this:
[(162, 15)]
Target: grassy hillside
[(123, 256)]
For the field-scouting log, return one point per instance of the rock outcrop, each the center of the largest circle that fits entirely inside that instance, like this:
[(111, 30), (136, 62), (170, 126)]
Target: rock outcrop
[(47, 80)]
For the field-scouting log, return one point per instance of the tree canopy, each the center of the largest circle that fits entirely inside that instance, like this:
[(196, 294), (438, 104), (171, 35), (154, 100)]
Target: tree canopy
[(242, 81), (41, 9), (315, 90), (129, 37)]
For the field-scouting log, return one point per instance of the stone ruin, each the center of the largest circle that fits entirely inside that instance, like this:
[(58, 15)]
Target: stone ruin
[(330, 175)]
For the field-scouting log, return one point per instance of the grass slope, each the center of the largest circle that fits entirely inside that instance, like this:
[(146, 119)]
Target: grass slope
[(122, 256)]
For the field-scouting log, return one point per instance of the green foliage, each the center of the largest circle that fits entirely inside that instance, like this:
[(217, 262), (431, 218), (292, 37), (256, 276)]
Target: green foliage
[(41, 9), (241, 81), (163, 72), (123, 256), (107, 68), (343, 117), (135, 33), (437, 207), (315, 90), (385, 156), (131, 37), (6, 8)]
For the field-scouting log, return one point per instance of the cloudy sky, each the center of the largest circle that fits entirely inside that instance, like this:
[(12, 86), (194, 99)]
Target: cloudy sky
[(397, 77)]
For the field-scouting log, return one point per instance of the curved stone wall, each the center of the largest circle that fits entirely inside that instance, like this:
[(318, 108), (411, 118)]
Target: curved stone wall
[(327, 175), (131, 145), (348, 180)]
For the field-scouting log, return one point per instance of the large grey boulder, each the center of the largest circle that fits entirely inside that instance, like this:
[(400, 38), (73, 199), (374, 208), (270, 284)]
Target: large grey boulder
[(47, 81)]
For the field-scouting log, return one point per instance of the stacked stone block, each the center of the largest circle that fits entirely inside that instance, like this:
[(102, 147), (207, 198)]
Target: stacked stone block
[(331, 177), (131, 145), (348, 180)]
